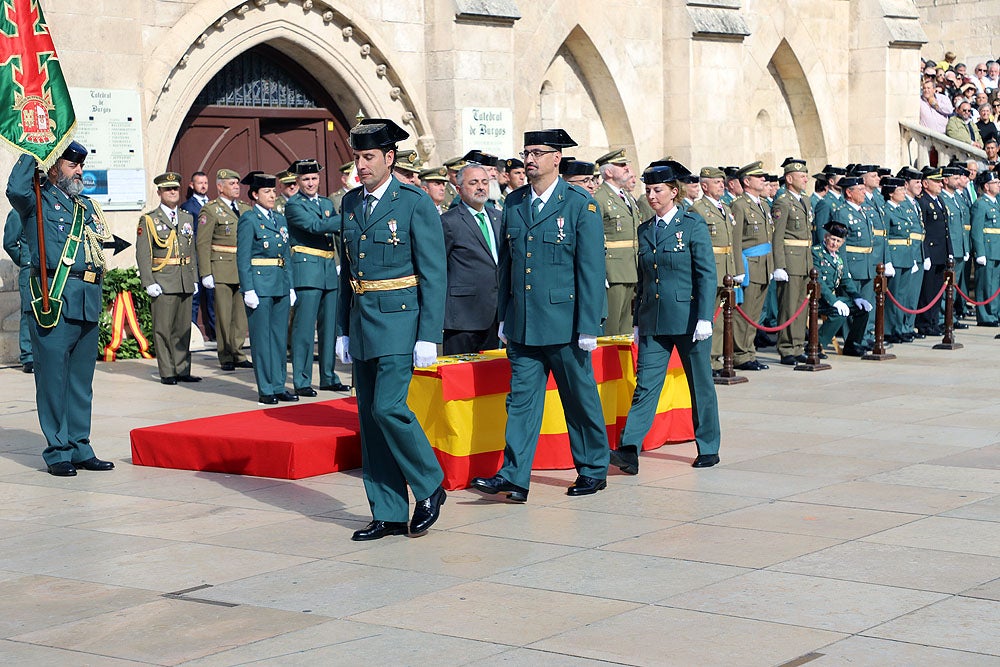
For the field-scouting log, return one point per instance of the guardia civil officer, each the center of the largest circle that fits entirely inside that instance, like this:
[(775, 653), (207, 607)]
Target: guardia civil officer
[(675, 301), (165, 255), (64, 339), (392, 294), (216, 241), (986, 247), (15, 243), (899, 223), (551, 301), (858, 258), (313, 226), (264, 263)]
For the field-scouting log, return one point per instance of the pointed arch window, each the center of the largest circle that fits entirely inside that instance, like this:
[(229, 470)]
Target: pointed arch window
[(254, 79)]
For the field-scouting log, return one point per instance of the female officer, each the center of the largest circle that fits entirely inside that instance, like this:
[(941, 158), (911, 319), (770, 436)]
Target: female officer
[(264, 263), (898, 253), (673, 309)]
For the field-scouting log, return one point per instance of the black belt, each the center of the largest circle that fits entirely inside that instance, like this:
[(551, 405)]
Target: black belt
[(92, 277)]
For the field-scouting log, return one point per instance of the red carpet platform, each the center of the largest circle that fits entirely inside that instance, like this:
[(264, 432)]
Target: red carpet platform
[(288, 442)]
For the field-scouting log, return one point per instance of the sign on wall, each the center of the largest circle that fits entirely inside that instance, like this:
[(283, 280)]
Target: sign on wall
[(490, 130), (109, 125)]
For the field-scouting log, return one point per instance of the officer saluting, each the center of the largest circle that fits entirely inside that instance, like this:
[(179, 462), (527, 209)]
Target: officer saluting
[(64, 338), (392, 293), (165, 254), (217, 225)]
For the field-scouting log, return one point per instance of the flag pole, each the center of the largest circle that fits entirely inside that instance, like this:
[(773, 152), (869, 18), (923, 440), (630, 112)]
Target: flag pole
[(43, 274)]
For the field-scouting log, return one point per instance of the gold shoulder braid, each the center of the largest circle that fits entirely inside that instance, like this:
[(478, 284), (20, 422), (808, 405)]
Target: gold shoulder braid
[(94, 239), (169, 244)]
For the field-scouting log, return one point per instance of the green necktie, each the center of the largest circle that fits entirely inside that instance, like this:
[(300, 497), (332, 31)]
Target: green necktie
[(485, 229), (369, 206), (536, 209)]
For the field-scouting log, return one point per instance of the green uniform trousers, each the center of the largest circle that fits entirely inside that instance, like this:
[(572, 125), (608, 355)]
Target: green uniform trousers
[(394, 449), (914, 283), (857, 327), (835, 322), (987, 282), (315, 313), (172, 334), (654, 355), (230, 323), (65, 358), (27, 319), (619, 320), (901, 287), (743, 332), (574, 375), (791, 294), (269, 340)]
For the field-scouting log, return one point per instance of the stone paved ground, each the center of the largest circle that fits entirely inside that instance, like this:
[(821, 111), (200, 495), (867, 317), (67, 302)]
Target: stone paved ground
[(855, 519)]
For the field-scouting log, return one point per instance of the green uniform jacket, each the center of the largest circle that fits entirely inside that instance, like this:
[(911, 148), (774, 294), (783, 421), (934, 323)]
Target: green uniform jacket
[(315, 226), (823, 213), (676, 276), (832, 276), (792, 222), (958, 221), (382, 323), (260, 237), (217, 225), (15, 240), (81, 300), (986, 228), (551, 270), (859, 264), (898, 224), (156, 239), (874, 213), (916, 217), (754, 226), (722, 230), (620, 226)]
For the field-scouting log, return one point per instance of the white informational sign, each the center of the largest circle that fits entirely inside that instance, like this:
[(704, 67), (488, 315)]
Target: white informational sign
[(109, 125), (490, 130)]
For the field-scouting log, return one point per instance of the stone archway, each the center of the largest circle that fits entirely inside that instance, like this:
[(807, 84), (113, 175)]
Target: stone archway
[(791, 80)]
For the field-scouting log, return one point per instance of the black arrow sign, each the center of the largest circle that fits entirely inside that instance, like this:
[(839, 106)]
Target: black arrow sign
[(117, 243)]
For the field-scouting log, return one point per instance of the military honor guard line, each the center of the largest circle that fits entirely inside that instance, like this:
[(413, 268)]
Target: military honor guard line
[(540, 254)]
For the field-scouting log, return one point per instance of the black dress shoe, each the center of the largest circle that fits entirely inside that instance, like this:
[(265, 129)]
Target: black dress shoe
[(169, 380), (716, 372), (229, 366), (376, 530), (95, 464), (585, 486), (308, 392), (917, 335), (287, 397), (244, 364), (62, 469), (336, 386), (906, 338), (960, 325), (979, 324), (705, 461), (753, 365), (427, 512), (854, 351), (188, 378), (267, 399), (626, 459), (823, 355), (893, 339), (28, 367), (498, 484)]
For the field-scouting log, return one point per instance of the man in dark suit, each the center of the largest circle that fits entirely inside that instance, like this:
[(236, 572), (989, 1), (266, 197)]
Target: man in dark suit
[(937, 250), (204, 298), (471, 241)]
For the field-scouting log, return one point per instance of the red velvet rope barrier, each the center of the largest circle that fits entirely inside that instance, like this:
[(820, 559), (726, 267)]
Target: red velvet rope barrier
[(976, 303), (919, 310), (778, 328)]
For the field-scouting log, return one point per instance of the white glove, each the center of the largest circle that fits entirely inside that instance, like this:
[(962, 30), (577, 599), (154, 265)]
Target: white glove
[(291, 297), (780, 275), (251, 300), (500, 334), (842, 308), (927, 263), (916, 267), (635, 334), (154, 290), (739, 279), (208, 281), (965, 257), (343, 345), (607, 285), (424, 354), (587, 343), (196, 290), (890, 270), (863, 305), (981, 260), (703, 330)]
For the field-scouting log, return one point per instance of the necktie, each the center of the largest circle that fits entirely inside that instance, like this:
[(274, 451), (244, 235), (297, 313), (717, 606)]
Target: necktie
[(628, 204), (536, 208), (315, 200), (236, 209), (486, 230), (369, 206)]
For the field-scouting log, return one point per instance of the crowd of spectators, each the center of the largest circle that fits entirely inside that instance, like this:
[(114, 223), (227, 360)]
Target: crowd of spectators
[(962, 102)]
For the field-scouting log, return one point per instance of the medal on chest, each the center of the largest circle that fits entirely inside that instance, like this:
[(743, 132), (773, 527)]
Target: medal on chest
[(560, 223), (679, 246), (394, 240)]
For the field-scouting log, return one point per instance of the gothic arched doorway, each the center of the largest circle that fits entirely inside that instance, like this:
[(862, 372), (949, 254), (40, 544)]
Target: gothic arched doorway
[(261, 111)]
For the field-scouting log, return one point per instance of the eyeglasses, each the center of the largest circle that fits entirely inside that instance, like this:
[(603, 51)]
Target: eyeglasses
[(583, 179), (980, 69), (534, 154)]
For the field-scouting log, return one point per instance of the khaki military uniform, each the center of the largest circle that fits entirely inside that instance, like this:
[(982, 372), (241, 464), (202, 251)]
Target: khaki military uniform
[(755, 229), (621, 220), (217, 257), (792, 252), (726, 249)]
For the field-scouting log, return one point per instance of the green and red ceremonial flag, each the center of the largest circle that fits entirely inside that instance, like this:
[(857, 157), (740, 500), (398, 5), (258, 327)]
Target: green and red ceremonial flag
[(36, 113)]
